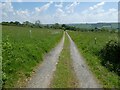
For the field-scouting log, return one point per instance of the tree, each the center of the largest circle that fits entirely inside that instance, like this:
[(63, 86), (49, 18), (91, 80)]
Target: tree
[(27, 23), (63, 26), (47, 26), (5, 23), (17, 23), (56, 26), (11, 22), (38, 23)]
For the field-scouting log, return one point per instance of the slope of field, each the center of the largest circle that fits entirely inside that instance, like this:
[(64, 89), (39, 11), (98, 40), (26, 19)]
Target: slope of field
[(23, 49), (89, 44)]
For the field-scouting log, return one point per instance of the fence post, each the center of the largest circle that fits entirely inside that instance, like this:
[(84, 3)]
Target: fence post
[(30, 33), (95, 40)]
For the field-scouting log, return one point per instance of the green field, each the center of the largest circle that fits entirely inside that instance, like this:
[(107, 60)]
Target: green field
[(90, 48), (22, 51)]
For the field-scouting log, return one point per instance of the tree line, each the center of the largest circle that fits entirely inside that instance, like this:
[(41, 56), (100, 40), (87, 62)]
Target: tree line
[(26, 23), (38, 24)]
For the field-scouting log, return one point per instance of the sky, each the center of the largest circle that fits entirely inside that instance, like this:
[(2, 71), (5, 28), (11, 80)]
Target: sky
[(61, 11)]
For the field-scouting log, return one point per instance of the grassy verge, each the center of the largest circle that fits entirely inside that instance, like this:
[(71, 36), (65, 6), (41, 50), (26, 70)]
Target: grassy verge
[(64, 75), (23, 50), (0, 56), (86, 43)]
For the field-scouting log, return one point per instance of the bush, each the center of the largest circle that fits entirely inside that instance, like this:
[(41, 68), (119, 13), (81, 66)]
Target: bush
[(110, 56)]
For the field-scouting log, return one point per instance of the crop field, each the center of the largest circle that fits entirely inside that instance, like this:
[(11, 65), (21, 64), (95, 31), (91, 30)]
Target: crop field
[(90, 45), (23, 50)]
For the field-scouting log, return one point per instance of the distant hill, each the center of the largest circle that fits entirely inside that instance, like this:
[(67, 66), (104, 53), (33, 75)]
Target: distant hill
[(96, 25)]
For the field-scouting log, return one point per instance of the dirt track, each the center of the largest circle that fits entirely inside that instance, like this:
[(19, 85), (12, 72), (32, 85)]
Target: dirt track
[(44, 73), (85, 77)]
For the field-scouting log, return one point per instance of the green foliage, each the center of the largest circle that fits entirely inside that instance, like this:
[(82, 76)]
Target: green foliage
[(110, 56), (56, 26), (67, 27), (23, 50), (90, 50)]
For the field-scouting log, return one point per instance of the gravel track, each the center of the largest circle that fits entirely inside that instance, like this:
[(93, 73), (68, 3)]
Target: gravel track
[(84, 76), (44, 73)]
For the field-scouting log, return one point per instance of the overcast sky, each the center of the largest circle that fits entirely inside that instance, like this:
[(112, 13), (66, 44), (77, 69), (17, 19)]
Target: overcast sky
[(59, 12)]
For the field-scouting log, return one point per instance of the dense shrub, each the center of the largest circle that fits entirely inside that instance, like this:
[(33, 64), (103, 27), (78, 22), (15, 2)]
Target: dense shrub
[(110, 56)]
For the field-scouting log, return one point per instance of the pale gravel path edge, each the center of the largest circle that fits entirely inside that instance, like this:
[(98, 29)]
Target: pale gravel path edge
[(44, 73), (84, 75)]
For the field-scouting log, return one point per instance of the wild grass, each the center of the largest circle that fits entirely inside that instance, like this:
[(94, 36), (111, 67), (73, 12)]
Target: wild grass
[(89, 47), (23, 50), (0, 71)]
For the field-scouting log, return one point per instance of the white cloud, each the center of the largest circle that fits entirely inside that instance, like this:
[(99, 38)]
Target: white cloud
[(10, 14), (7, 7), (101, 15), (97, 13), (19, 0), (7, 10), (97, 6), (61, 15), (37, 9), (60, 12), (95, 9), (0, 5), (59, 5), (8, 0), (44, 7), (58, 16), (70, 8), (22, 12)]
